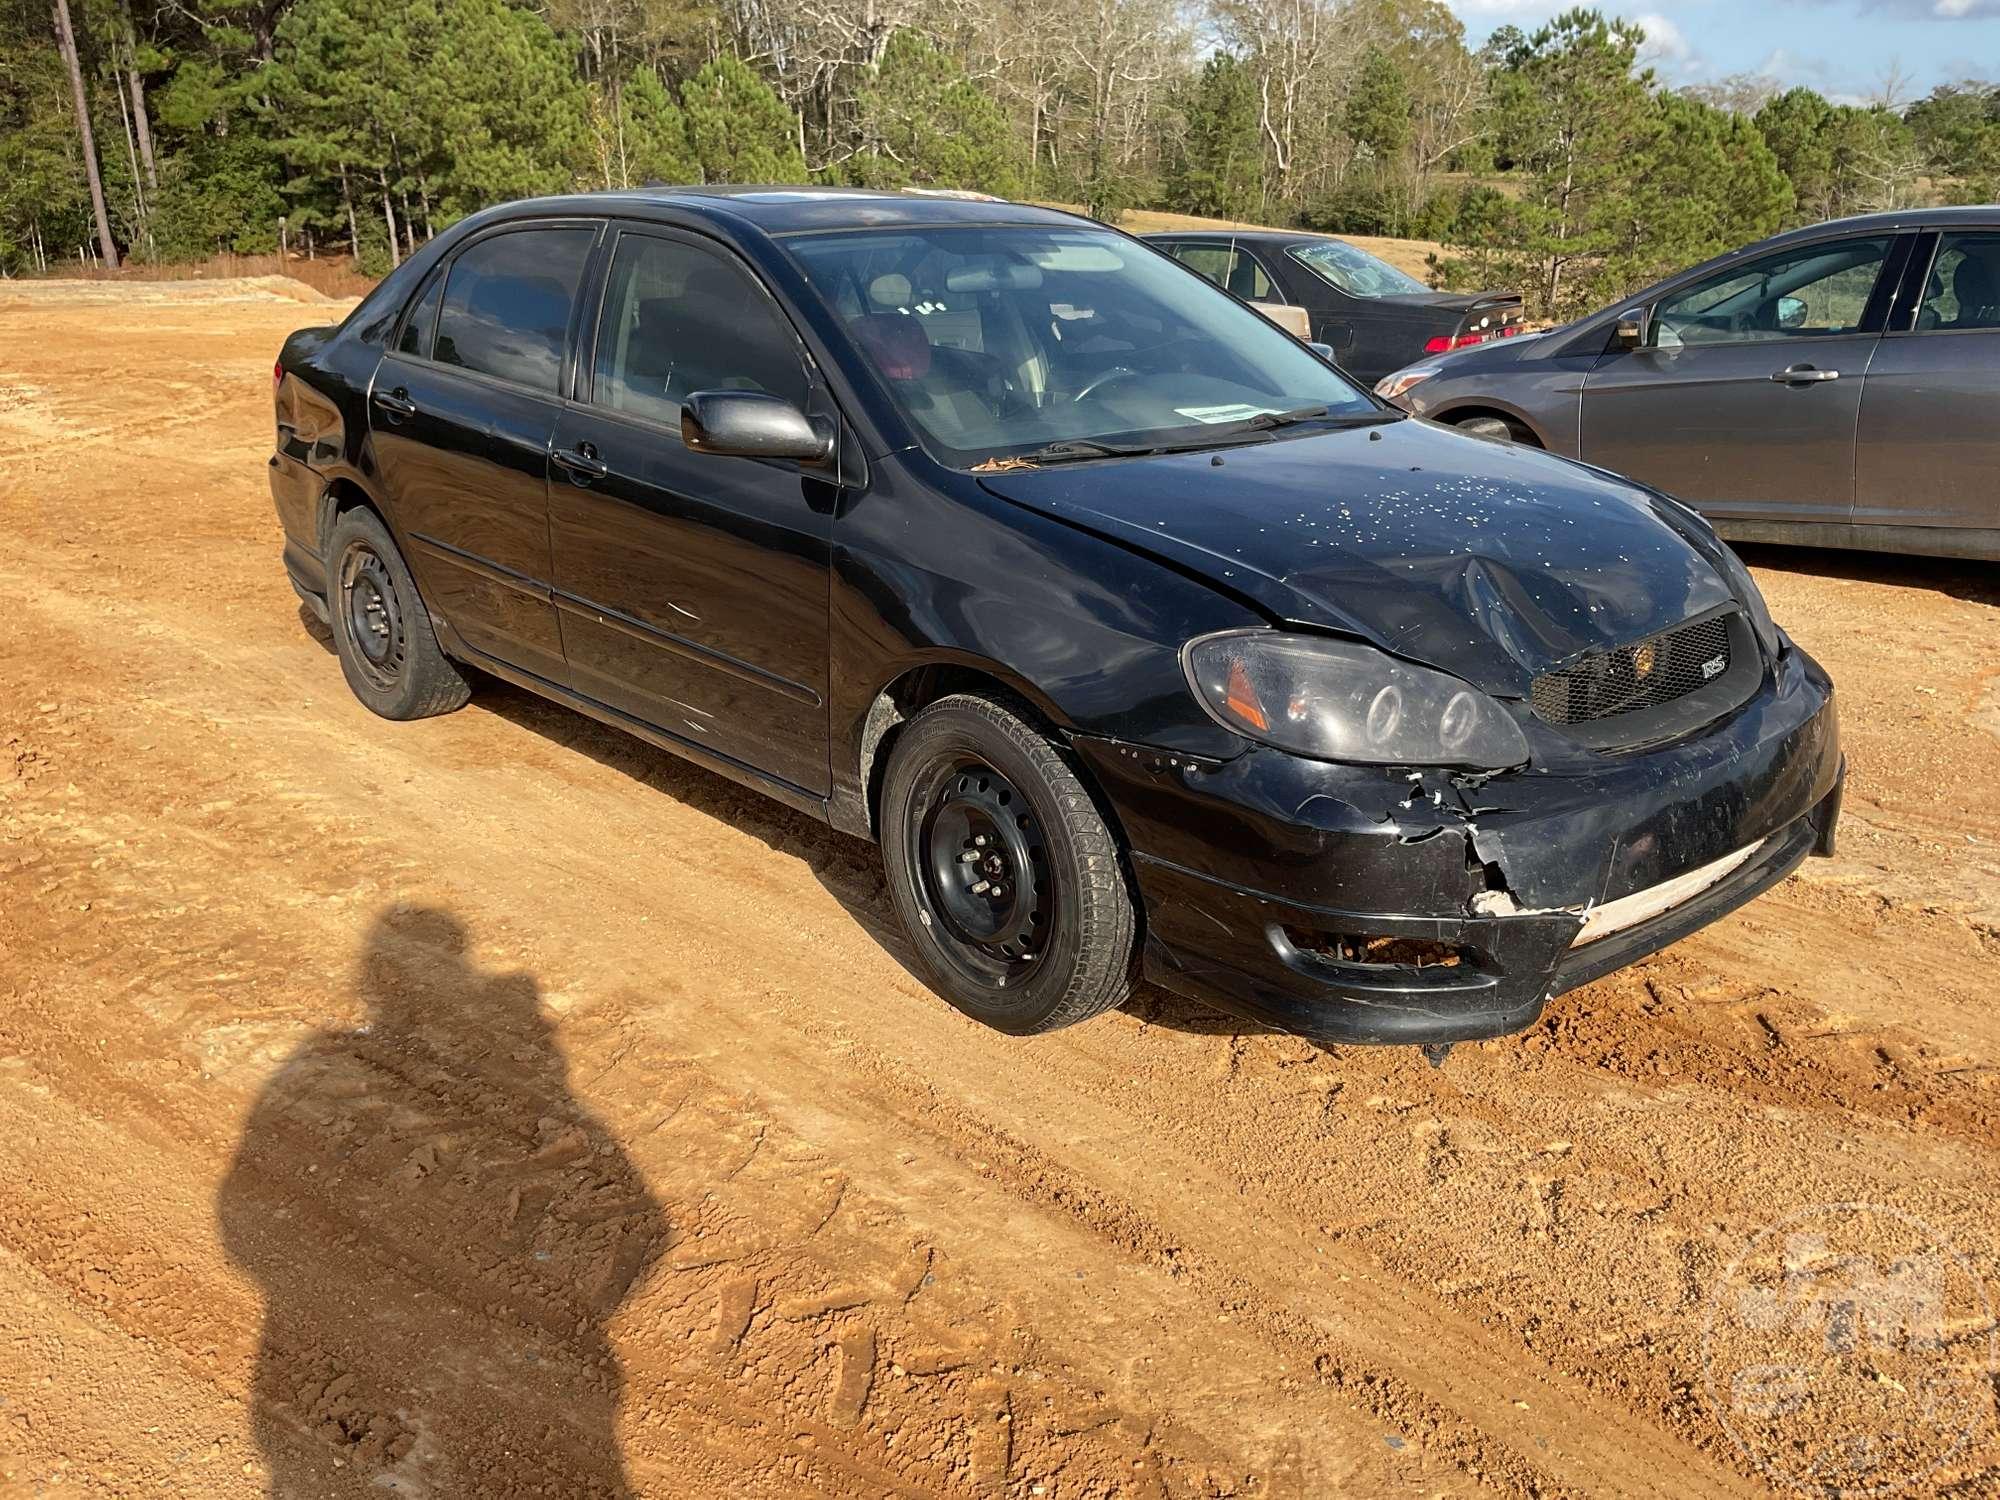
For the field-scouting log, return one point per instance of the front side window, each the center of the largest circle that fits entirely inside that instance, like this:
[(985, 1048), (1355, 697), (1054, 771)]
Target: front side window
[(1808, 292), (507, 302), (1353, 271), (1227, 266), (679, 319), (1964, 287), (997, 341)]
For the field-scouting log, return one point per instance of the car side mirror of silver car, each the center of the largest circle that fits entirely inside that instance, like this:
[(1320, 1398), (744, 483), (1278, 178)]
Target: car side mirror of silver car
[(1630, 332), (749, 424)]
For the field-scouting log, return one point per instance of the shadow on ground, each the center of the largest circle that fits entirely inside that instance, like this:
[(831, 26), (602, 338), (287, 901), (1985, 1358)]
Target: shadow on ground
[(440, 1232)]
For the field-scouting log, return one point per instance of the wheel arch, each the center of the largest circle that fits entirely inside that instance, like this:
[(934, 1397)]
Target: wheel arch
[(1452, 415), (342, 494), (910, 690)]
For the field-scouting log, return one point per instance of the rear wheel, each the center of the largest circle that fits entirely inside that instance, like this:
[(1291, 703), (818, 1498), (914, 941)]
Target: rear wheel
[(1003, 871), (389, 653)]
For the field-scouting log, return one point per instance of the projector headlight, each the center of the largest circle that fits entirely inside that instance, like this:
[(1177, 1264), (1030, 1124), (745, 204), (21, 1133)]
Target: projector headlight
[(1340, 700)]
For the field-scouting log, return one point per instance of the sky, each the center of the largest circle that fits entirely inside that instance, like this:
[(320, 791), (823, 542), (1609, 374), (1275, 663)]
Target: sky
[(1843, 48)]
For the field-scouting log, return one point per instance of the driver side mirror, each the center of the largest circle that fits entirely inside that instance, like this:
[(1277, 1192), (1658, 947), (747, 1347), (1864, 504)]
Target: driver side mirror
[(1630, 331), (749, 424), (1791, 312), (1324, 351)]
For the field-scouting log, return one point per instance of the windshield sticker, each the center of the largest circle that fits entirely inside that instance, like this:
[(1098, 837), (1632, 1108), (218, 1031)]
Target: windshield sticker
[(1242, 411)]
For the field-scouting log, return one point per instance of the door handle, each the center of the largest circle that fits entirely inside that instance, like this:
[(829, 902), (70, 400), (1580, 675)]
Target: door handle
[(582, 463), (397, 402), (1803, 375)]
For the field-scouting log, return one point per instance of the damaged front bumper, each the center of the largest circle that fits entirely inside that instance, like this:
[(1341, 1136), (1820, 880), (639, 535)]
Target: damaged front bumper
[(1354, 904)]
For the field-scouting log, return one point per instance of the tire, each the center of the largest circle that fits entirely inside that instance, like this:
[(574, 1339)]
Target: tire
[(388, 651), (1496, 429), (1053, 937)]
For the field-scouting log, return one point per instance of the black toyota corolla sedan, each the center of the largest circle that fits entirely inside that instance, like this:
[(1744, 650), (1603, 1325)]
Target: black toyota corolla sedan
[(1140, 638), (1373, 317)]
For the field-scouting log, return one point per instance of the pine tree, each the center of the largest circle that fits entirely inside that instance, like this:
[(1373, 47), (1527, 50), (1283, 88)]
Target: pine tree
[(740, 130), (655, 132), (926, 124), (1219, 166)]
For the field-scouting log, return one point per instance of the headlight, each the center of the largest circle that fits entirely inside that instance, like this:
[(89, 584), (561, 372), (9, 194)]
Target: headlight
[(1389, 387), (1744, 587), (1339, 700)]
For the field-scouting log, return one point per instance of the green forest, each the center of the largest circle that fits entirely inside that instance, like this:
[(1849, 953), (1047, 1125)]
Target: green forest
[(169, 131)]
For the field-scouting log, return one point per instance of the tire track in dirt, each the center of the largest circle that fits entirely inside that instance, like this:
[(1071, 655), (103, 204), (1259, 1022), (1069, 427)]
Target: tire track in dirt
[(1157, 1240)]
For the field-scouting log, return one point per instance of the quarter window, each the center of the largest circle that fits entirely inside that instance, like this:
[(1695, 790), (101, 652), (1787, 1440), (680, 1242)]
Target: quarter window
[(1808, 292), (680, 319), (507, 303), (1964, 286), (415, 339)]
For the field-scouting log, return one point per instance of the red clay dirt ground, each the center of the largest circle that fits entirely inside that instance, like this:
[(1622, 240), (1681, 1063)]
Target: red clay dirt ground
[(495, 1106)]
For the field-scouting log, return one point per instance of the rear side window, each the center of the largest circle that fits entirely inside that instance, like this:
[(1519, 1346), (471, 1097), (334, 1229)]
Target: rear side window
[(1964, 286), (680, 319), (415, 339), (1234, 270), (507, 303)]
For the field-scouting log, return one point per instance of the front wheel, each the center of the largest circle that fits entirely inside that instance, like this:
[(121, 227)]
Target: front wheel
[(1494, 429), (1003, 871)]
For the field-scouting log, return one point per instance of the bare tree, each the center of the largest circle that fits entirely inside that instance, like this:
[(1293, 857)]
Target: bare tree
[(66, 43)]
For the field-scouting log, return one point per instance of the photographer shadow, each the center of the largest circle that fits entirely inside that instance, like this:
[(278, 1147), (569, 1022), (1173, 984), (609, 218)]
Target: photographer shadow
[(441, 1233)]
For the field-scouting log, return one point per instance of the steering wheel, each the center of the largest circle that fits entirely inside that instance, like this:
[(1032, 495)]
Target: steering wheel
[(1109, 377)]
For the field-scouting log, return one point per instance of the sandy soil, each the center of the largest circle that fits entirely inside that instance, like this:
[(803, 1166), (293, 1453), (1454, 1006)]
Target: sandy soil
[(495, 1106)]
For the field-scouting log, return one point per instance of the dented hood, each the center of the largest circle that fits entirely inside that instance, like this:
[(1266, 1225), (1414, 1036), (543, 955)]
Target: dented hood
[(1492, 562)]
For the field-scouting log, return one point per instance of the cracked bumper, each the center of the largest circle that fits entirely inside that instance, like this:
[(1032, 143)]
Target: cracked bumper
[(1256, 872)]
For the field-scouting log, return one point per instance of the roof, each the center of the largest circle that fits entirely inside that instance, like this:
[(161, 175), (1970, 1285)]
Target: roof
[(788, 210), (1221, 235)]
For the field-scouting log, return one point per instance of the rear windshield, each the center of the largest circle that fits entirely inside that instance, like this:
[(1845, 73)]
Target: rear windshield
[(1353, 271), (997, 341)]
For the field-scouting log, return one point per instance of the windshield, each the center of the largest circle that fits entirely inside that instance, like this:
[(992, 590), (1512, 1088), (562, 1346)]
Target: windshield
[(996, 342), (1353, 271)]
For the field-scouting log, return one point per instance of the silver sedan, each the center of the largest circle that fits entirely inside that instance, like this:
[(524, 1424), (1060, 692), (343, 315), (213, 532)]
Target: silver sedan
[(1833, 386)]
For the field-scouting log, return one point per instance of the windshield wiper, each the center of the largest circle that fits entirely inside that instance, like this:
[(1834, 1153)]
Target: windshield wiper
[(1068, 450), (1265, 419)]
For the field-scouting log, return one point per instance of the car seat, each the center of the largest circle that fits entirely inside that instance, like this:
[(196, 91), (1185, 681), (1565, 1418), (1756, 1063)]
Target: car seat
[(1974, 286)]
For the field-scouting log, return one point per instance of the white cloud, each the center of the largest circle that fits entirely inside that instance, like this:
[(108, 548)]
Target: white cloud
[(1664, 41)]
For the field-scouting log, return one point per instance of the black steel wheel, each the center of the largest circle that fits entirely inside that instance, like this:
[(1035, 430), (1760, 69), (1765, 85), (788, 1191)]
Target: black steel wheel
[(388, 651), (1010, 883), (374, 618), (983, 861)]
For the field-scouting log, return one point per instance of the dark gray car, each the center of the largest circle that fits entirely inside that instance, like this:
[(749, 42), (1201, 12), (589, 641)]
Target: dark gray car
[(1835, 386)]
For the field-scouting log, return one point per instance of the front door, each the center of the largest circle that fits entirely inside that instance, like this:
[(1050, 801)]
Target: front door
[(460, 414), (1743, 399), (692, 587), (1928, 449)]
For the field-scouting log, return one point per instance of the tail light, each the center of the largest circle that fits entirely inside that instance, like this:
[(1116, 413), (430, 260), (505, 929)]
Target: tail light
[(1445, 343), (277, 376)]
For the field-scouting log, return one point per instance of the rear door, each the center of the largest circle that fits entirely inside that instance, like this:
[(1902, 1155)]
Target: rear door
[(1744, 398), (1927, 451), (460, 413), (693, 587)]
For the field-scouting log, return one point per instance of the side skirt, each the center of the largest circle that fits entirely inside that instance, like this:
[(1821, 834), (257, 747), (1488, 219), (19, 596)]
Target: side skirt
[(795, 797), (1980, 543)]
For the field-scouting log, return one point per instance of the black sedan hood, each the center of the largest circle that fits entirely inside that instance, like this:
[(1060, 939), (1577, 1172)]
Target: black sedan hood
[(1489, 561)]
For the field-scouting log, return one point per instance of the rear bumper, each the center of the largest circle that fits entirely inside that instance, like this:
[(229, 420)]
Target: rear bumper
[(1384, 911)]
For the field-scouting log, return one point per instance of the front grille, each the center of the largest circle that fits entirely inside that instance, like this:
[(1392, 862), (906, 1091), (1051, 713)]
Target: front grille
[(1630, 679)]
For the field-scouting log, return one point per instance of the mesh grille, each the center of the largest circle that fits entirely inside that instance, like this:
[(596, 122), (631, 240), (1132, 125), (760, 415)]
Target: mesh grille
[(1643, 675)]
